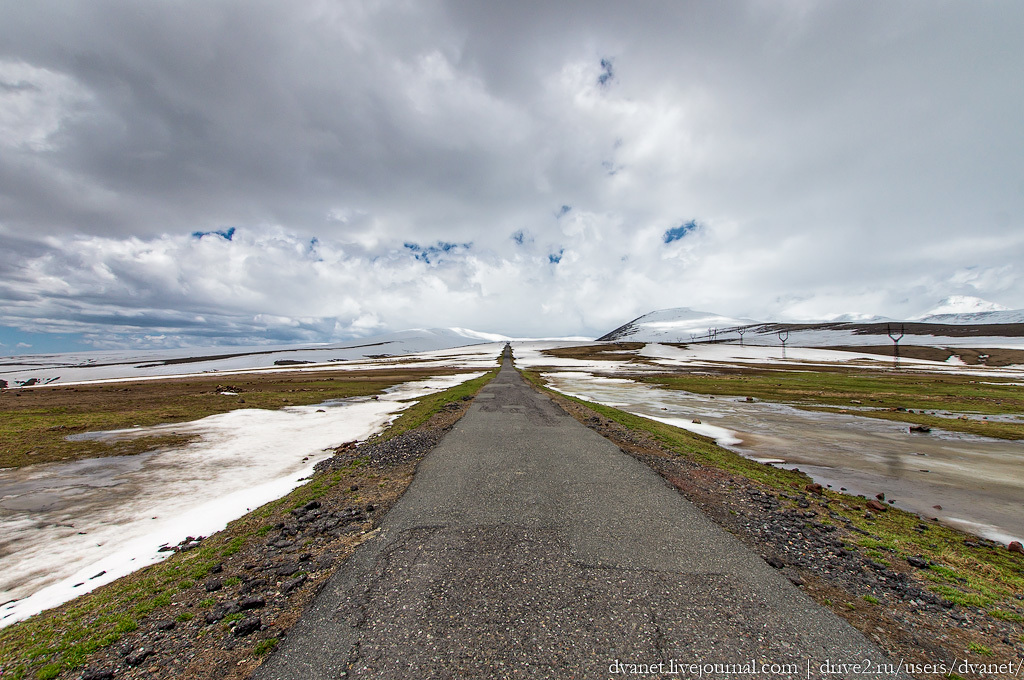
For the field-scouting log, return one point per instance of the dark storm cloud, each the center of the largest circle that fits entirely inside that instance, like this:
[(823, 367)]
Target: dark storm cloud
[(839, 157)]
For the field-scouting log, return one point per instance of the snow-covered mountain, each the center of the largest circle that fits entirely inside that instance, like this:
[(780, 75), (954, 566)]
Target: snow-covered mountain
[(965, 310), (964, 304), (985, 326), (680, 324), (106, 364)]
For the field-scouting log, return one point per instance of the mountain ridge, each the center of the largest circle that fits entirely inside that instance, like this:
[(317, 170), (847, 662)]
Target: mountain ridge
[(681, 324)]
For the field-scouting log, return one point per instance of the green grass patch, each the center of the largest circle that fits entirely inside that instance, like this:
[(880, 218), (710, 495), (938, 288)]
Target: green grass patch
[(233, 546), (871, 599), (879, 393), (1006, 616), (202, 569), (978, 649), (264, 647)]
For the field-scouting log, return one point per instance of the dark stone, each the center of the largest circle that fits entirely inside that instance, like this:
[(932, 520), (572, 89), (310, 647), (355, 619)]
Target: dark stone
[(166, 624), (217, 568), (98, 674), (917, 562), (312, 505), (251, 586), (251, 603), (214, 584), (291, 584), (1015, 547), (775, 562), (215, 615), (876, 506), (137, 656), (247, 626), (286, 569)]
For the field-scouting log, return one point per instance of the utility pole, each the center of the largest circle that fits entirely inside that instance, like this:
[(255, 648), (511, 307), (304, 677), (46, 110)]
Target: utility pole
[(741, 331), (783, 337), (895, 336)]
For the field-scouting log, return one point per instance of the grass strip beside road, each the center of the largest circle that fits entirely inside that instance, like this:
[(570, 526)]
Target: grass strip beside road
[(425, 407), (35, 422), (60, 640)]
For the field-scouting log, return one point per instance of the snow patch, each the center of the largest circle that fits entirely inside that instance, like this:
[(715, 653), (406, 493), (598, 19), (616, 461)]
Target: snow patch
[(64, 524)]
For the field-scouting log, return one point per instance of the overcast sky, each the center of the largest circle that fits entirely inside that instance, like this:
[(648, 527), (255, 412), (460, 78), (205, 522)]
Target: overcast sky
[(241, 172)]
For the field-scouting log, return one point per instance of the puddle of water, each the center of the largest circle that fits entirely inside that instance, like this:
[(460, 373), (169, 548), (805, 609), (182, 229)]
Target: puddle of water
[(62, 524), (977, 481)]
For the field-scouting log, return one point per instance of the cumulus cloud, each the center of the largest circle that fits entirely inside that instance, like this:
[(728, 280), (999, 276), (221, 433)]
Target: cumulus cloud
[(241, 172)]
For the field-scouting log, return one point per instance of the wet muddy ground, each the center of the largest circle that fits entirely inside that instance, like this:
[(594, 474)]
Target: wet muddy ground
[(971, 482)]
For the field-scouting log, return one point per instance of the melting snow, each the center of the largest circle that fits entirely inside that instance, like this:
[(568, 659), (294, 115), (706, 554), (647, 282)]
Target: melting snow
[(62, 525)]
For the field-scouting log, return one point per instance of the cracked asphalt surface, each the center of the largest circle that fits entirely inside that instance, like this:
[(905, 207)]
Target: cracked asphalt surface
[(529, 546)]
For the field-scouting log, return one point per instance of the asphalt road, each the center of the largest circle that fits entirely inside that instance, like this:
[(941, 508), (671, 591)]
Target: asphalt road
[(529, 546)]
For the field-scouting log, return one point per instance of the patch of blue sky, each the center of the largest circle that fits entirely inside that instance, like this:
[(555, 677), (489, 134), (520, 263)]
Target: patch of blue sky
[(14, 341), (676, 233), (425, 253), (226, 234), (607, 74)]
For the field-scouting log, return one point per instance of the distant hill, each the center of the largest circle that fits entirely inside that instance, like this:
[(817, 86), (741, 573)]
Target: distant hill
[(680, 324), (986, 328), (105, 364), (967, 310)]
